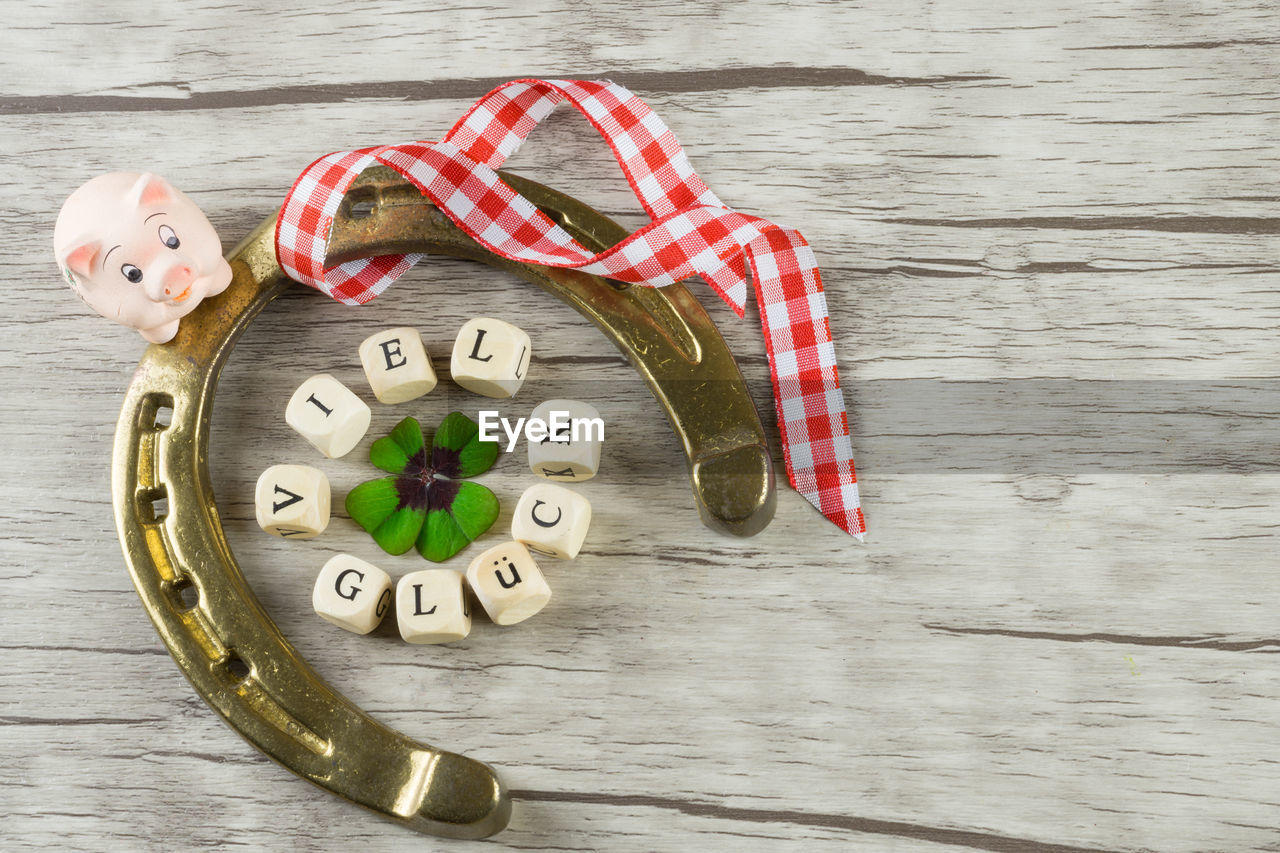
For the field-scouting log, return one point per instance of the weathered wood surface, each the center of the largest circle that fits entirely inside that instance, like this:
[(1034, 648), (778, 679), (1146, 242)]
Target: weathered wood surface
[(1043, 645)]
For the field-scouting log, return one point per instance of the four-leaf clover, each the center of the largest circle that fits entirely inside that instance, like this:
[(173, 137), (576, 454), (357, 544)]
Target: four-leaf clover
[(427, 503)]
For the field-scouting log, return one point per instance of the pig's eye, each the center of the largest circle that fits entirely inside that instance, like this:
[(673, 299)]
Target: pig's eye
[(131, 272), (169, 238)]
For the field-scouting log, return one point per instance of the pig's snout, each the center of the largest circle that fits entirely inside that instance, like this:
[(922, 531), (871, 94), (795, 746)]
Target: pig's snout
[(172, 284), (178, 279)]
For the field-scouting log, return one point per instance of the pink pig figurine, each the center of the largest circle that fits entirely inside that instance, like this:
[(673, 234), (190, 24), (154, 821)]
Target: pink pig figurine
[(139, 252)]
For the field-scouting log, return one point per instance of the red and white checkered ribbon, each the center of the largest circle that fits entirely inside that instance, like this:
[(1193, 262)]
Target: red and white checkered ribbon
[(692, 233)]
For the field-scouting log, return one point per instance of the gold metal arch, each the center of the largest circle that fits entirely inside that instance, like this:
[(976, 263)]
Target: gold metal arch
[(197, 596)]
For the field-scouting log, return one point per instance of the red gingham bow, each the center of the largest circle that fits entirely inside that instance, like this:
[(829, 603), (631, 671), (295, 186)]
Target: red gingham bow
[(692, 233)]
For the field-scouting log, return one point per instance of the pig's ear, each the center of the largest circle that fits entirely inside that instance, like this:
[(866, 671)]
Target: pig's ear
[(148, 190), (79, 259)]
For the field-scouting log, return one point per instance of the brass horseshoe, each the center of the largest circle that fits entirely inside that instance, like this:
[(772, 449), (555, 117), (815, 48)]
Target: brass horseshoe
[(191, 586)]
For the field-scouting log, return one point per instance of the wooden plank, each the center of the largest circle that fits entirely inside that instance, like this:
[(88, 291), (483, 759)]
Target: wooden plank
[(204, 47), (1024, 656)]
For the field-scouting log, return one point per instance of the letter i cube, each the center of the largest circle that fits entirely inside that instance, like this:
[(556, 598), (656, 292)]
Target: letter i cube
[(397, 365), (293, 501), (570, 451), (431, 607), (490, 357), (327, 414), (508, 583), (352, 594), (551, 520)]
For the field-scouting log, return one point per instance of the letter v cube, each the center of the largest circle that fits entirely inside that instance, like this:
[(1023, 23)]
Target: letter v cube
[(293, 501)]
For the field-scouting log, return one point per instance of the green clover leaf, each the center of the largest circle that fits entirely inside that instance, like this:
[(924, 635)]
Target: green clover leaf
[(427, 503)]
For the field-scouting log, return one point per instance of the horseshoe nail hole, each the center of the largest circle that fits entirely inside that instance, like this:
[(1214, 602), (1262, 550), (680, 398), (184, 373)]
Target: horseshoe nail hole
[(184, 593), (361, 210), (156, 412), (562, 219), (556, 216), (153, 505), (236, 668)]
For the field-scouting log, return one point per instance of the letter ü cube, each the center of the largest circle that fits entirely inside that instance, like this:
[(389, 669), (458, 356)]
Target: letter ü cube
[(508, 583), (431, 607), (490, 357), (327, 414), (551, 520), (397, 365), (293, 501), (570, 452), (352, 594)]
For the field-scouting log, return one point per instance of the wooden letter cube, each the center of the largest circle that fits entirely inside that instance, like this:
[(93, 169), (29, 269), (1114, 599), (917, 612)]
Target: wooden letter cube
[(551, 520), (490, 357), (561, 456), (327, 414), (293, 501), (508, 583), (352, 594), (397, 365), (431, 607)]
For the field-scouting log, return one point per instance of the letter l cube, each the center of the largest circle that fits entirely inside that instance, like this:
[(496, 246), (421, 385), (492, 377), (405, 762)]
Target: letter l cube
[(490, 357), (431, 607)]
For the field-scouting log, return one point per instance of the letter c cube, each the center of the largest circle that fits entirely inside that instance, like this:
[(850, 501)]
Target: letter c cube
[(551, 520)]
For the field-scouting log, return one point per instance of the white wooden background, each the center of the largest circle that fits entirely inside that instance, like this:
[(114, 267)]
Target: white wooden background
[(1033, 653)]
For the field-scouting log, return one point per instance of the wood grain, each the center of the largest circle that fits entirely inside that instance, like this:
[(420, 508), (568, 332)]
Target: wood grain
[(1048, 233)]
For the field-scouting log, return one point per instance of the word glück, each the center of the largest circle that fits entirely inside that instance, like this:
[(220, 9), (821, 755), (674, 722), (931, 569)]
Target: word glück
[(558, 428)]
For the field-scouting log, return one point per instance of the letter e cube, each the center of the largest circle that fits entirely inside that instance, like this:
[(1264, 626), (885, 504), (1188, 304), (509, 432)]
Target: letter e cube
[(397, 365)]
